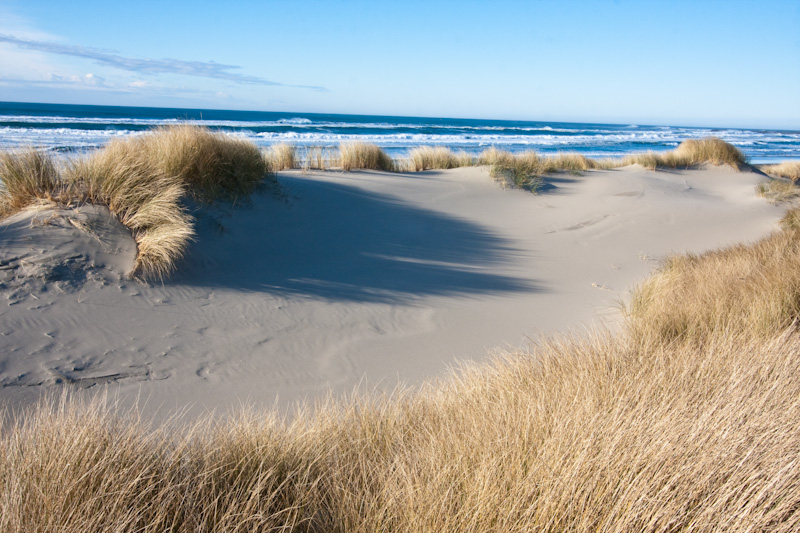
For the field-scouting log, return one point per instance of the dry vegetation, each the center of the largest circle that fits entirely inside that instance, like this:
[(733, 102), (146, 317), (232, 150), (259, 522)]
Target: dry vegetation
[(359, 155), (438, 157), (691, 153), (282, 156), (745, 288), (525, 170), (144, 182), (788, 170), (25, 177), (778, 190), (320, 158), (687, 420)]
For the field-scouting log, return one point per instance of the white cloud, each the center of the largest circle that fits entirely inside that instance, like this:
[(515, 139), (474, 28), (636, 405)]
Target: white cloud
[(201, 69)]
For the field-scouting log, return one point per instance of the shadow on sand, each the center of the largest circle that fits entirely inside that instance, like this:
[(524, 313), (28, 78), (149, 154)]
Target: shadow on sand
[(341, 243)]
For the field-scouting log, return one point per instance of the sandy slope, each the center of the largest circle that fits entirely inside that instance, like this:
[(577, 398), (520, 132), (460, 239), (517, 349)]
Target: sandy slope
[(350, 278)]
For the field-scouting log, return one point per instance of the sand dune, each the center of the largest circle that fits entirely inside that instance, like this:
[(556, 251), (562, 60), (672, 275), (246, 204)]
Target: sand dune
[(347, 279)]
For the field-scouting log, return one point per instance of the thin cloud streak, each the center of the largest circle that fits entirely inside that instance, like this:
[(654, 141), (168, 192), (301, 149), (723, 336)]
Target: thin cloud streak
[(201, 69)]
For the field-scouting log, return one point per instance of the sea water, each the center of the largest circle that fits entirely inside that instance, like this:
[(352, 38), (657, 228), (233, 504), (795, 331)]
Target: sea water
[(79, 128)]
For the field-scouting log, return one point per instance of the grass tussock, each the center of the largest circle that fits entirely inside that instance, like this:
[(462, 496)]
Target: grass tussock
[(753, 288), (144, 180), (438, 157), (320, 158), (522, 171), (213, 166), (25, 177), (145, 199), (778, 190), (788, 169), (691, 153), (525, 170), (281, 156), (359, 155)]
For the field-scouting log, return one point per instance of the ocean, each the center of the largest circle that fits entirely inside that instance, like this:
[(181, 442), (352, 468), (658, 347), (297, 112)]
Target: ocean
[(81, 128)]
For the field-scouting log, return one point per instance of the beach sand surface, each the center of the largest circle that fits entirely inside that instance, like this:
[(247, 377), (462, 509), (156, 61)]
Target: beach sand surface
[(344, 280)]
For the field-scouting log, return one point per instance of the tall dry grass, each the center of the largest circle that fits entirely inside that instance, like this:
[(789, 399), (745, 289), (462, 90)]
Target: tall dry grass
[(578, 436), (525, 170), (144, 198), (26, 176), (744, 288), (690, 153), (144, 182), (281, 156), (778, 190), (213, 166), (438, 157), (359, 155), (320, 158), (788, 169)]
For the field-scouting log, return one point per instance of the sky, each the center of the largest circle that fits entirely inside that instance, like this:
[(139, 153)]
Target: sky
[(695, 63)]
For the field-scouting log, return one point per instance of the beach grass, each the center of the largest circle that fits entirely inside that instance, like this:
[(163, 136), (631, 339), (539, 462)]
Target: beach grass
[(525, 170), (144, 198), (144, 181), (778, 190), (788, 169), (438, 157), (320, 158), (522, 171), (691, 153), (743, 288), (281, 156), (26, 176), (367, 156)]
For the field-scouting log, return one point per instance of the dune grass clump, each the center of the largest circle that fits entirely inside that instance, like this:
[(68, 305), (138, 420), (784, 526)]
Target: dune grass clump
[(282, 156), (213, 166), (522, 171), (493, 156), (26, 176), (144, 182), (753, 288), (319, 158), (691, 153), (145, 199), (778, 190), (569, 162), (788, 170), (438, 157), (359, 155)]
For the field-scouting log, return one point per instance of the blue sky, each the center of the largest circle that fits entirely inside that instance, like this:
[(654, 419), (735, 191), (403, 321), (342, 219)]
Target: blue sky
[(727, 63)]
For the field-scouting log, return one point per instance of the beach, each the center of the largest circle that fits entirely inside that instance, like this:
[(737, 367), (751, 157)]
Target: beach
[(345, 280)]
